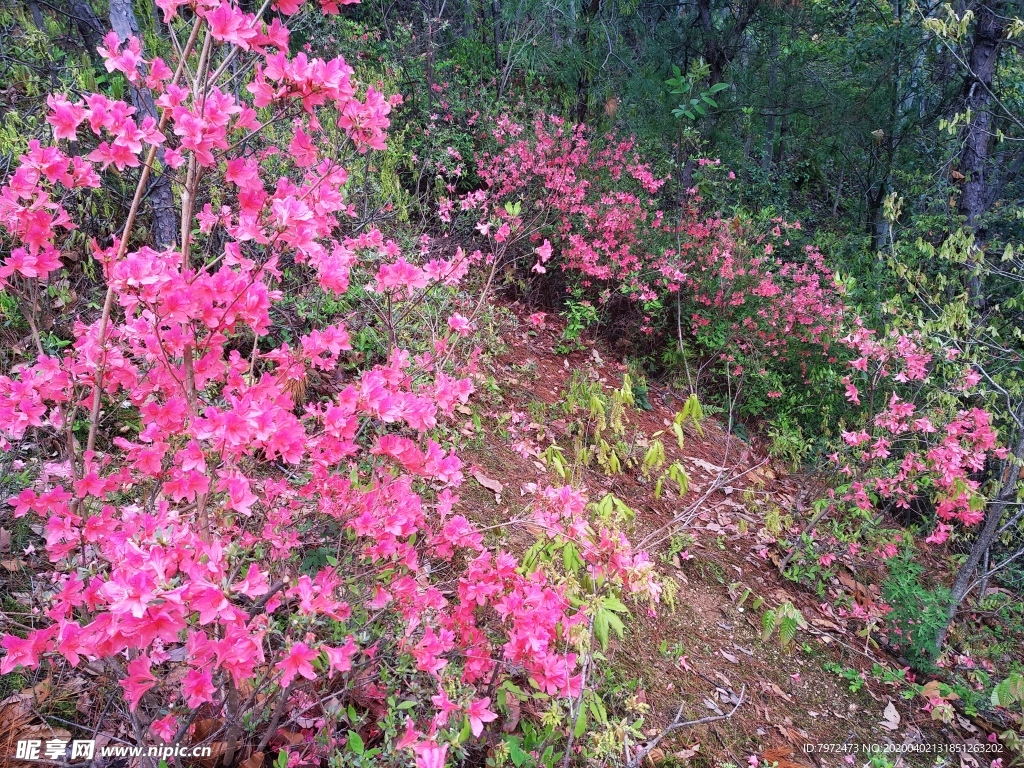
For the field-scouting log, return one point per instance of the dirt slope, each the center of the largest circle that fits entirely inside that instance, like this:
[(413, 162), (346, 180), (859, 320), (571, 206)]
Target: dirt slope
[(704, 649)]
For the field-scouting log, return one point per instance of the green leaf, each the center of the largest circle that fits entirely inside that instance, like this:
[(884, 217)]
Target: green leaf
[(355, 742), (601, 626), (464, 734), (514, 689), (718, 87), (616, 624), (569, 558), (787, 630), (581, 723), (1010, 691), (612, 603), (516, 752)]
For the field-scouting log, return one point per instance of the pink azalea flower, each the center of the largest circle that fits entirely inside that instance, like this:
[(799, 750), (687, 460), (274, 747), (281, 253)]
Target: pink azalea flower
[(297, 661), (479, 715), (430, 755)]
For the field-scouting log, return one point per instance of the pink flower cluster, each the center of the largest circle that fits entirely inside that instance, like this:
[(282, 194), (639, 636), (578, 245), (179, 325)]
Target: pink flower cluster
[(593, 205), (595, 200), (177, 540), (905, 450)]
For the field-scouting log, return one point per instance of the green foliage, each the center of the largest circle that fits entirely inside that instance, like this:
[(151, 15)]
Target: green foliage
[(1010, 692), (580, 314), (786, 620), (854, 679), (788, 443), (696, 101), (918, 612)]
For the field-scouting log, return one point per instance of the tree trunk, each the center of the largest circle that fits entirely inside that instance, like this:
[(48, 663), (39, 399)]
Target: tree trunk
[(769, 127), (722, 45), (88, 23), (165, 228), (997, 507), (37, 16), (989, 30), (878, 224), (496, 21)]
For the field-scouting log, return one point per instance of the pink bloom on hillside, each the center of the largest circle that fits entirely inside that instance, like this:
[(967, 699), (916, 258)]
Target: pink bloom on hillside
[(430, 755), (461, 325), (24, 652), (479, 714), (140, 679), (198, 687), (940, 534), (445, 705), (165, 728), (298, 661), (340, 659), (64, 116)]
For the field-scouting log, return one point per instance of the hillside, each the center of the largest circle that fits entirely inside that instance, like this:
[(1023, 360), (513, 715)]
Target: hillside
[(535, 384), (704, 646)]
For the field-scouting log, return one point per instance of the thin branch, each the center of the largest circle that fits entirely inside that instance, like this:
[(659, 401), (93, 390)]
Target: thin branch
[(678, 724)]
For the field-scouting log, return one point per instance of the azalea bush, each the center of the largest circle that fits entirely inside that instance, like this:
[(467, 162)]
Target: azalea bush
[(747, 301), (910, 462), (227, 544)]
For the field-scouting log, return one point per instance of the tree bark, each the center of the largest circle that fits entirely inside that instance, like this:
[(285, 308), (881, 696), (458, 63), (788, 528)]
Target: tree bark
[(997, 507), (496, 29), (88, 23), (165, 228), (975, 161), (769, 127), (37, 16)]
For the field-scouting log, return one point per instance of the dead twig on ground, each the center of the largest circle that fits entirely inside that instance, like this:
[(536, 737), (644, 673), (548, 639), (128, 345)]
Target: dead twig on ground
[(678, 723)]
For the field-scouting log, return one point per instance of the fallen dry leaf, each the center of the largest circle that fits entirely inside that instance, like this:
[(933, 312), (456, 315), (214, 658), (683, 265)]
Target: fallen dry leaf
[(713, 706), (514, 715), (769, 687), (655, 757), (892, 718), (931, 691), (489, 484), (687, 753)]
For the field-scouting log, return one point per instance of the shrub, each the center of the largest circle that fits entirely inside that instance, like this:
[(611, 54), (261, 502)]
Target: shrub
[(917, 612), (228, 550), (761, 309)]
